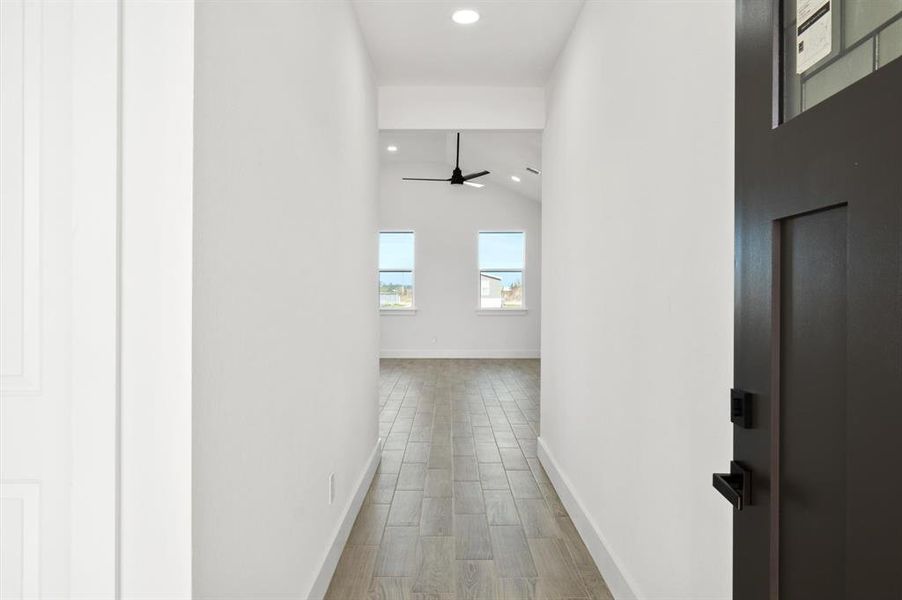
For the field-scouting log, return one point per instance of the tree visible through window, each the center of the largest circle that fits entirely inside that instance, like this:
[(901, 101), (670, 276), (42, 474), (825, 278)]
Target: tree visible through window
[(396, 261), (502, 259)]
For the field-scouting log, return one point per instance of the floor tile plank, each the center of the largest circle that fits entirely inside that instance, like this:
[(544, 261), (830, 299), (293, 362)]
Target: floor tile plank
[(382, 489), (398, 552), (493, 477), (437, 517), (412, 476), (440, 455), (518, 588), (487, 453), (537, 520), (557, 576), (367, 530), (472, 539), (438, 483), (482, 435), (463, 446), (513, 459), (523, 485), (391, 461), (435, 573), (465, 469), (500, 508), (396, 441), (390, 588), (405, 509), (477, 580), (468, 498), (506, 439), (417, 452), (353, 573), (510, 551)]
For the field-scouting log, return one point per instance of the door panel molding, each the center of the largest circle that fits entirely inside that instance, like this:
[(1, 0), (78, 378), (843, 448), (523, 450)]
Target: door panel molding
[(21, 40), (20, 559), (775, 386), (803, 287)]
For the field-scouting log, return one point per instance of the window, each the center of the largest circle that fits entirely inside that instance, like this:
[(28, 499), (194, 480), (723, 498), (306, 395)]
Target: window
[(502, 258), (846, 40), (396, 270)]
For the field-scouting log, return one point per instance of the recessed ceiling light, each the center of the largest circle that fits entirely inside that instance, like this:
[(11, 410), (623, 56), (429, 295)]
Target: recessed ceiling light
[(515, 178), (465, 16), (391, 148), (472, 184)]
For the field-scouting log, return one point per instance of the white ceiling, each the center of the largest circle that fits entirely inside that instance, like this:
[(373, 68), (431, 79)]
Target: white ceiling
[(515, 42), (504, 153)]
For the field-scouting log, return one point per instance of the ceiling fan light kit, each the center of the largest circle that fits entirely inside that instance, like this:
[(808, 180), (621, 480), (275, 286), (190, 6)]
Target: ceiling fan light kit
[(457, 176)]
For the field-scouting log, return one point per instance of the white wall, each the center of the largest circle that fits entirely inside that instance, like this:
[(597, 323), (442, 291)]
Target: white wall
[(285, 325), (461, 107), (446, 220), (156, 253), (637, 324)]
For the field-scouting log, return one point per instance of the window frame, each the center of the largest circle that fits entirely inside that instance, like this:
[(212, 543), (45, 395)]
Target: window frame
[(522, 309), (408, 310), (781, 65)]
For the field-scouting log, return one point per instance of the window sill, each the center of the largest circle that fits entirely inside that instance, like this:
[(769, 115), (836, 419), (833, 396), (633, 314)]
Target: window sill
[(398, 312), (507, 312)]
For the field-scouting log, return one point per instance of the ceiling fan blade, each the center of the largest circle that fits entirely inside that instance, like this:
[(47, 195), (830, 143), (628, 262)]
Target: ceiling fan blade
[(475, 185), (475, 175), (423, 179)]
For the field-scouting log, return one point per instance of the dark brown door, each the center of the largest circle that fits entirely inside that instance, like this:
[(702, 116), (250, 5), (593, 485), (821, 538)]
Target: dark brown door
[(818, 313)]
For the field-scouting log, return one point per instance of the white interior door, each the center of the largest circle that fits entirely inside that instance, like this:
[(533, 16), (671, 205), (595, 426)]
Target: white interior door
[(58, 278)]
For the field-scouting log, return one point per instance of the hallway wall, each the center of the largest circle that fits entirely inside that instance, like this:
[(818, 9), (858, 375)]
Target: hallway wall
[(637, 291), (446, 220), (285, 328)]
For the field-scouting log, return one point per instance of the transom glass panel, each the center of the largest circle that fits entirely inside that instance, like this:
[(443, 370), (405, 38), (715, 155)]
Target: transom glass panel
[(830, 44)]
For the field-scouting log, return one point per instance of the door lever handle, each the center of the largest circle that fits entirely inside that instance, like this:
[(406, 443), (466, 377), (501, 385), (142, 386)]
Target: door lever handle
[(735, 486)]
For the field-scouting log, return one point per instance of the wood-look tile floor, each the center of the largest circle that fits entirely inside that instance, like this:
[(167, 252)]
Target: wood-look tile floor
[(460, 507)]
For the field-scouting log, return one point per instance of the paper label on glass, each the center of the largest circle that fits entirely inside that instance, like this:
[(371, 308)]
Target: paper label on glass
[(814, 32)]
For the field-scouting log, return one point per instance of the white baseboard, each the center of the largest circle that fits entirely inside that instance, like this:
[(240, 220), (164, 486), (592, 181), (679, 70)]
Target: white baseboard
[(621, 585), (431, 353), (321, 584)]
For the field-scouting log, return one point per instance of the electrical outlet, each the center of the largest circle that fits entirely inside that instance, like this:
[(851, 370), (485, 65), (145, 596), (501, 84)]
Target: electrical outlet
[(331, 488), (434, 340)]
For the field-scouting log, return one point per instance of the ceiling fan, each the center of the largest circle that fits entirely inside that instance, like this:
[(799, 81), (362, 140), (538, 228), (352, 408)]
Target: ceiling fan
[(457, 177)]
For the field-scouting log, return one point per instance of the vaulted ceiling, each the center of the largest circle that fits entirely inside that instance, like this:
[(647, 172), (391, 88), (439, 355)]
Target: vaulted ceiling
[(514, 43)]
